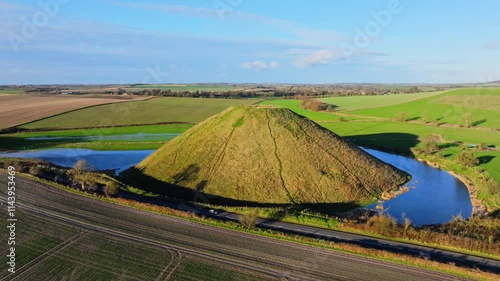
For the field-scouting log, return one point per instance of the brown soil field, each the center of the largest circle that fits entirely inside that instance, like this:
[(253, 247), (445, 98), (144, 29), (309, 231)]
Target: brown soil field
[(19, 109)]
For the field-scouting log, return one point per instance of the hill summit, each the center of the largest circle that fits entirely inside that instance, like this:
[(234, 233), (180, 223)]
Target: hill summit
[(267, 155)]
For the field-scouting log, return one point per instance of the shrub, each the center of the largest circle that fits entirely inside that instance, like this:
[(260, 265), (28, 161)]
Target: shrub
[(430, 144), (482, 147), (82, 175), (425, 117), (315, 105), (467, 119), (248, 220), (35, 170), (467, 158), (402, 116), (383, 224), (111, 189)]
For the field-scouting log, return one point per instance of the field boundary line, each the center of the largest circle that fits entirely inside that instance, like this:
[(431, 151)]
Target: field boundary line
[(76, 109)]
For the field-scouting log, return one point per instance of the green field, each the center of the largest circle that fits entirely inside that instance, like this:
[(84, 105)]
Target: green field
[(11, 91), (72, 138), (52, 250), (125, 130), (448, 108), (362, 102), (193, 268), (151, 111), (187, 87)]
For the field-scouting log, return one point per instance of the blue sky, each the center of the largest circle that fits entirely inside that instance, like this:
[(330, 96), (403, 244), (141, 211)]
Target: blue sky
[(244, 41)]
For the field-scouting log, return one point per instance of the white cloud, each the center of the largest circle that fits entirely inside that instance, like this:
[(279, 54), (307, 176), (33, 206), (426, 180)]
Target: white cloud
[(259, 65), (318, 57)]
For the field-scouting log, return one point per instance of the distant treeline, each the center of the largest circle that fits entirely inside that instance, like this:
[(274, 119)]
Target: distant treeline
[(294, 91)]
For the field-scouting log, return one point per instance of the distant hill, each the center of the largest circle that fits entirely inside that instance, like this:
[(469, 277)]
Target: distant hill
[(267, 155)]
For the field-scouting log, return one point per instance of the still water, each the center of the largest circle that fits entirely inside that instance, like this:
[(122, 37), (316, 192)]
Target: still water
[(99, 160), (435, 197), (130, 137)]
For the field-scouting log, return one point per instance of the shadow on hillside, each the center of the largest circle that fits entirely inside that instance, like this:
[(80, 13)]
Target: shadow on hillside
[(134, 177), (399, 143)]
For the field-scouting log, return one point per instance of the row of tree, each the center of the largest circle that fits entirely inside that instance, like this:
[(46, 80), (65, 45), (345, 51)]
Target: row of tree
[(466, 118), (245, 91), (292, 91)]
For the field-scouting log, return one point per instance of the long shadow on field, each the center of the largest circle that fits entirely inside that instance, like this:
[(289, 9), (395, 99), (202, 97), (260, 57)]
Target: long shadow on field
[(134, 177), (485, 159), (478, 122), (400, 143), (448, 145)]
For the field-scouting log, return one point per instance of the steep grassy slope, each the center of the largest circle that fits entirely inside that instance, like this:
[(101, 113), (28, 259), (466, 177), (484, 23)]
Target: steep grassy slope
[(267, 155)]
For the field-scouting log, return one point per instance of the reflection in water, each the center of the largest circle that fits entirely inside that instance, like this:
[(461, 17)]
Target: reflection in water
[(437, 197), (99, 160), (131, 137)]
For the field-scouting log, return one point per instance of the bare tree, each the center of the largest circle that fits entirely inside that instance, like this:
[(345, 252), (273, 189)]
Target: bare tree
[(425, 117), (111, 189), (467, 119), (82, 174), (402, 116)]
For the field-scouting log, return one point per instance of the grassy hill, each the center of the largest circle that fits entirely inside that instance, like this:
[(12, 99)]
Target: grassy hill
[(267, 155)]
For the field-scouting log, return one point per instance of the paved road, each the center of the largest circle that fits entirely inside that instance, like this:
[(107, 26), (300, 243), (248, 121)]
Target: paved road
[(281, 259)]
